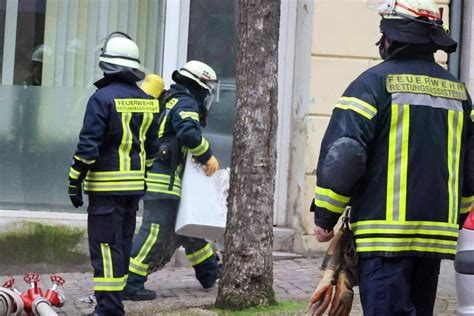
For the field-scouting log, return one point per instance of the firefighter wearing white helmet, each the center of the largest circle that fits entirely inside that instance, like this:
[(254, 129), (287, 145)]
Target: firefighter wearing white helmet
[(412, 22), (398, 150), (187, 103), (120, 56), (201, 74), (117, 141)]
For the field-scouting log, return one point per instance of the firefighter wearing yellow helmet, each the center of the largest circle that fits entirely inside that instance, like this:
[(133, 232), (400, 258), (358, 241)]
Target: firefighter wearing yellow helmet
[(185, 104), (398, 150)]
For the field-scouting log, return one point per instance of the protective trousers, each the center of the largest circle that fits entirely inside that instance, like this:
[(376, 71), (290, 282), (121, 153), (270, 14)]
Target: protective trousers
[(398, 285), (156, 243), (110, 225)]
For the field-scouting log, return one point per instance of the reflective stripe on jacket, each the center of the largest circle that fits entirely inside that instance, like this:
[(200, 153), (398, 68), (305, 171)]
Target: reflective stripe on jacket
[(117, 139), (413, 118)]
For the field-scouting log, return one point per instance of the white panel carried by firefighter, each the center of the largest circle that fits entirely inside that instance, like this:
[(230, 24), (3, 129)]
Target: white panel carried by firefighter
[(203, 208)]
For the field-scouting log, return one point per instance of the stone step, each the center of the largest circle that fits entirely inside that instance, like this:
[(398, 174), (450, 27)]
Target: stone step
[(281, 255), (283, 239)]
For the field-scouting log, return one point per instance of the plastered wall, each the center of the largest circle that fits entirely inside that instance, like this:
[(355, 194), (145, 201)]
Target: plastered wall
[(343, 46)]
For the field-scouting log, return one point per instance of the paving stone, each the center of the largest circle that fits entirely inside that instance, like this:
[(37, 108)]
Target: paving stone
[(177, 288)]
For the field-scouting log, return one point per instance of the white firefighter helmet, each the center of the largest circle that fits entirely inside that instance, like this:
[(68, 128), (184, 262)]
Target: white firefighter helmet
[(411, 9), (200, 73), (120, 49)]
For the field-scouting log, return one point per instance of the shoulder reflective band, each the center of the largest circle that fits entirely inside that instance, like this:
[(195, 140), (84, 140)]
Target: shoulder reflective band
[(426, 85), (427, 101), (472, 115), (137, 105), (357, 105), (191, 115), (171, 103)]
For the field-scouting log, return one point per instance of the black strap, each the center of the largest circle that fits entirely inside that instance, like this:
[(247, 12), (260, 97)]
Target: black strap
[(121, 57), (174, 160)]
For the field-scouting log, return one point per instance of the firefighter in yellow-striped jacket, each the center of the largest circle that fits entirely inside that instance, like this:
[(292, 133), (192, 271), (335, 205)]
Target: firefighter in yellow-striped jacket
[(398, 150), (117, 140), (186, 105)]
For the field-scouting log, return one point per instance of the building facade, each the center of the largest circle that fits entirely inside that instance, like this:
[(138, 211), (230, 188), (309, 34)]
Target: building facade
[(344, 33), (49, 53)]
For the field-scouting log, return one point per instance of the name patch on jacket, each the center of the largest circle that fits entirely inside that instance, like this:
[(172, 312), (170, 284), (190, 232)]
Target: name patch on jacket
[(137, 105), (435, 87)]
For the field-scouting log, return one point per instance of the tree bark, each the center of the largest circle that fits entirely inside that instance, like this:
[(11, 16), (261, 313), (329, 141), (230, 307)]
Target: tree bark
[(247, 276)]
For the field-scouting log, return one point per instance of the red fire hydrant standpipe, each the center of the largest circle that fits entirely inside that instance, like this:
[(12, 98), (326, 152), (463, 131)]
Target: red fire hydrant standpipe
[(13, 302)]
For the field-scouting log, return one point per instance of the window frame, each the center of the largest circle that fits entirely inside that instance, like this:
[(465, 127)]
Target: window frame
[(175, 54)]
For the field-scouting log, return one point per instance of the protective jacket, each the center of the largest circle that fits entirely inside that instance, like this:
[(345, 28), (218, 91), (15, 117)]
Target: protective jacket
[(395, 150), (117, 139), (179, 131)]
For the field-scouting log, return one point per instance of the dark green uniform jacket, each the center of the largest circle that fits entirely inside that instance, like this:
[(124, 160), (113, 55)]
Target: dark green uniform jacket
[(396, 146)]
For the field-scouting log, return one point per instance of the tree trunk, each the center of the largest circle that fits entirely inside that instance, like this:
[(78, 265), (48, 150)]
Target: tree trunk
[(247, 276)]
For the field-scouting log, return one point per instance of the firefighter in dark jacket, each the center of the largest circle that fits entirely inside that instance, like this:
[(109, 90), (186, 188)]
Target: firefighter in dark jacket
[(117, 140), (398, 150), (186, 105)]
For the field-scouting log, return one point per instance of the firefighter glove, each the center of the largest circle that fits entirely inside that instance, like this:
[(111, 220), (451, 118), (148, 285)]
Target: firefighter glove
[(322, 296), (77, 173), (342, 302), (211, 166), (75, 193)]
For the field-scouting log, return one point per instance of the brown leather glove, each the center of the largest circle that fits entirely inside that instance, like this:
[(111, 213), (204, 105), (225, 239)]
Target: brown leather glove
[(331, 263), (323, 294), (342, 302), (211, 166)]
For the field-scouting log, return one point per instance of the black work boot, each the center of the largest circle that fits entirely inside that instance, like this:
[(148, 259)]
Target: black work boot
[(140, 295)]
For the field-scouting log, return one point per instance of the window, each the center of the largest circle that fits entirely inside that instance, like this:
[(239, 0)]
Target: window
[(212, 39), (49, 53)]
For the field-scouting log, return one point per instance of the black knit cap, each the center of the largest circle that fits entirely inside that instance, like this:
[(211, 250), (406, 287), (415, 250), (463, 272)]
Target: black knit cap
[(413, 31)]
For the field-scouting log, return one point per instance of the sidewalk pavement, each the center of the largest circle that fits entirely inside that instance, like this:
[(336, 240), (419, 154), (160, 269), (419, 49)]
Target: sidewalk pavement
[(177, 288)]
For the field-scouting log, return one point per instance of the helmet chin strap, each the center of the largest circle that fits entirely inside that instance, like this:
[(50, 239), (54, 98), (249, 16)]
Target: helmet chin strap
[(383, 52)]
